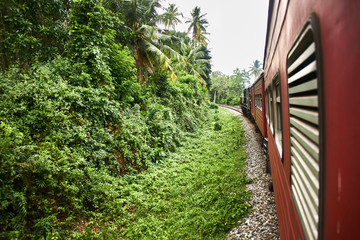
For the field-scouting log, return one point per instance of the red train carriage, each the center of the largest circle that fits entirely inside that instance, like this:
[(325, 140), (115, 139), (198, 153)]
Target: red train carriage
[(258, 107), (312, 121)]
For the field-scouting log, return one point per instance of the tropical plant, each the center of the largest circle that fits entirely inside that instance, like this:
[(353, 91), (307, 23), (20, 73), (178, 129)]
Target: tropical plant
[(228, 89), (76, 127), (147, 42), (32, 29), (170, 17), (255, 69), (198, 25), (241, 76), (194, 62), (207, 69), (220, 84)]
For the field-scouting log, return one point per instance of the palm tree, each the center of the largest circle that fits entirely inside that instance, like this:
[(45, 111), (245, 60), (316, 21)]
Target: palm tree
[(198, 25), (170, 17), (255, 68), (195, 61), (147, 43)]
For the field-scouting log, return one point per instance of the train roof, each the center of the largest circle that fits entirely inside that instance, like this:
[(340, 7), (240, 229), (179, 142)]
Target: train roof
[(270, 13), (259, 77), (256, 80)]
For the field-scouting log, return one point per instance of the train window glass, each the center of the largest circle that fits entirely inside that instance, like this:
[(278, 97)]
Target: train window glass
[(277, 114), (258, 101), (304, 130), (267, 102), (271, 118)]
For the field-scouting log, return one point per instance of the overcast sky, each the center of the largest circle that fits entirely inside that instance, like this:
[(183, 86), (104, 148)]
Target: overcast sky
[(237, 30)]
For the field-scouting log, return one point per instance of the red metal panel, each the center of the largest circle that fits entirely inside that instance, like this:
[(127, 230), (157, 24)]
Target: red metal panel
[(341, 51), (289, 225), (264, 108), (260, 114), (260, 121), (252, 92), (279, 15), (340, 38)]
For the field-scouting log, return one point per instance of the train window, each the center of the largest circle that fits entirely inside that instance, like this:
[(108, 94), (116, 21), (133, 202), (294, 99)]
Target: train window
[(277, 114), (258, 101), (304, 130), (267, 102), (271, 110)]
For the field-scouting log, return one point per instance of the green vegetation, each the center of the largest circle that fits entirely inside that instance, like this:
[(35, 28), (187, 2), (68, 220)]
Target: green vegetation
[(198, 25), (229, 89), (63, 147), (199, 191), (94, 101)]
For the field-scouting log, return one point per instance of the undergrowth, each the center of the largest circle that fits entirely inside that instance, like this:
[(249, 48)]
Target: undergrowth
[(197, 193), (89, 151)]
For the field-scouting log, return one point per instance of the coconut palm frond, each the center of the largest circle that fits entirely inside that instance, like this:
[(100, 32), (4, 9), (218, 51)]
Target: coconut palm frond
[(198, 25)]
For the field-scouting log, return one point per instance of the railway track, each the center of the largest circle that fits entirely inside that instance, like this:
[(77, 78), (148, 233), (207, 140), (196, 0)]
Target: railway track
[(238, 109), (262, 222)]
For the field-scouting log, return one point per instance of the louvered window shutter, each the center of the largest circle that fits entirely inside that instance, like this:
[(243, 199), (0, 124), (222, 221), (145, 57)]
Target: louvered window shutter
[(304, 131)]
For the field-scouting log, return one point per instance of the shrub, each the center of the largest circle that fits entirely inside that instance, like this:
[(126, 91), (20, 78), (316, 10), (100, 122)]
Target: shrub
[(213, 106), (217, 126), (73, 129)]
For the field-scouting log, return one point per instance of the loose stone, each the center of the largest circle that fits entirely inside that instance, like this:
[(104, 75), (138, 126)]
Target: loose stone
[(262, 222)]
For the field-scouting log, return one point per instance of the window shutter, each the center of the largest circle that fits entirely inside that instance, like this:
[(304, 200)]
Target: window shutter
[(304, 131)]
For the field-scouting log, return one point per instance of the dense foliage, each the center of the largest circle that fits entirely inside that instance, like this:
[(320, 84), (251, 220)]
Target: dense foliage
[(229, 89), (74, 119), (95, 99), (62, 145), (199, 192), (31, 29)]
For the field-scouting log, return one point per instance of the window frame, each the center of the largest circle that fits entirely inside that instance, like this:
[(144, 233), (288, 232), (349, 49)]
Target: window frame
[(313, 23), (271, 109), (277, 114)]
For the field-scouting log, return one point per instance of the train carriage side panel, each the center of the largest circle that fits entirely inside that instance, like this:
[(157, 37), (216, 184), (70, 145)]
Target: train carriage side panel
[(252, 104), (264, 123), (259, 105), (275, 82), (289, 224), (341, 50), (285, 207), (337, 58)]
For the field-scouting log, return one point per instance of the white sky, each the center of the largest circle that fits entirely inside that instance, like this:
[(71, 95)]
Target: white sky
[(237, 30)]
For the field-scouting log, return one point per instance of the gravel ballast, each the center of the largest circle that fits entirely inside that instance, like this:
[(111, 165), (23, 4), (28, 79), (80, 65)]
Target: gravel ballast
[(262, 222)]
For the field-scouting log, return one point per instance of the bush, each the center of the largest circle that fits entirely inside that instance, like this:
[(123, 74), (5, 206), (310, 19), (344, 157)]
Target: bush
[(217, 126), (213, 106), (63, 146), (73, 129)]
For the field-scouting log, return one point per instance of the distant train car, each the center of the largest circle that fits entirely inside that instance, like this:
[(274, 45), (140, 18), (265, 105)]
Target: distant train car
[(245, 102), (258, 105), (312, 109)]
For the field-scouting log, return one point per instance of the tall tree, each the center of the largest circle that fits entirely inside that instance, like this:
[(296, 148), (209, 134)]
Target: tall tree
[(220, 86), (207, 69), (242, 76), (146, 41), (228, 89), (170, 17), (195, 61), (255, 68), (198, 25)]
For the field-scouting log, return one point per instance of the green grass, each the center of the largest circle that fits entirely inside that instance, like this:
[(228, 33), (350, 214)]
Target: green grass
[(197, 193)]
